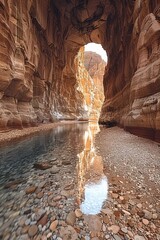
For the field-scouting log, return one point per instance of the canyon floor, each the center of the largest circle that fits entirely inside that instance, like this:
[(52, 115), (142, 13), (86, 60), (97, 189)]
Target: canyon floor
[(45, 178)]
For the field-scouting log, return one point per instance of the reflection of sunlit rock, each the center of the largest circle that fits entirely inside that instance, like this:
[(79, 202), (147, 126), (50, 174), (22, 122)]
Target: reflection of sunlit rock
[(93, 185), (95, 195)]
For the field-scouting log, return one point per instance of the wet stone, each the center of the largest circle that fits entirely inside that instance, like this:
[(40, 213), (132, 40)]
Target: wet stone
[(27, 211), (106, 219), (54, 170), (14, 183), (78, 213), (145, 221), (94, 223), (43, 220), (68, 232), (147, 214), (21, 221), (24, 237), (71, 218), (32, 230), (42, 165), (39, 195), (31, 189), (53, 225), (24, 229), (1, 221), (116, 237), (124, 230), (107, 211), (114, 228), (138, 237)]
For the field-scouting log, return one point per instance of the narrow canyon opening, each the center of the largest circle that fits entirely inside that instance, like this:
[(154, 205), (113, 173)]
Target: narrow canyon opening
[(92, 60)]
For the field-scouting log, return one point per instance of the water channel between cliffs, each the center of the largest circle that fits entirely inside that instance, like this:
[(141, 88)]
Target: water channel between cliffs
[(54, 172)]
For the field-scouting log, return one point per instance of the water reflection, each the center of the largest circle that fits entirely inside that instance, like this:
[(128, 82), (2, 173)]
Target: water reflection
[(93, 184), (17, 159)]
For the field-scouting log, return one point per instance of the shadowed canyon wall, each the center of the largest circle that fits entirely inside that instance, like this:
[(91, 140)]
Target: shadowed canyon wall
[(39, 72)]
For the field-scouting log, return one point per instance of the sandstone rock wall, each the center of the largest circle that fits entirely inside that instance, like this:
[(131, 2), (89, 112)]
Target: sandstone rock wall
[(40, 41), (35, 85), (91, 86), (132, 79)]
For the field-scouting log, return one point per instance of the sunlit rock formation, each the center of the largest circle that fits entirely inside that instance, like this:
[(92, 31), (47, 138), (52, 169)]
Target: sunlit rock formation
[(95, 66), (40, 41), (90, 85)]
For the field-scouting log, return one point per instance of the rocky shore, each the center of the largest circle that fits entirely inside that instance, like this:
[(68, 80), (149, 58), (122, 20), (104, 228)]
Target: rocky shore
[(46, 204)]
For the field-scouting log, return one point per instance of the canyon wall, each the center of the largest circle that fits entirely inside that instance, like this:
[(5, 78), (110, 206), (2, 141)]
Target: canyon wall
[(39, 70), (132, 79), (37, 74), (90, 85)]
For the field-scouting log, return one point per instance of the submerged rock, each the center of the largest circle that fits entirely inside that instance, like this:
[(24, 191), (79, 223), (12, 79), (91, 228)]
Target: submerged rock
[(32, 230), (42, 165), (30, 189)]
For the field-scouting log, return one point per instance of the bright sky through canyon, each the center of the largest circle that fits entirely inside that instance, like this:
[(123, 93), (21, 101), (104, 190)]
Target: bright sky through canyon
[(94, 47)]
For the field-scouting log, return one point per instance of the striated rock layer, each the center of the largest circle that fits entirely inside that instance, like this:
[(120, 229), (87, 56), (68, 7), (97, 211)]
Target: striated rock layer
[(132, 79), (90, 85), (39, 74)]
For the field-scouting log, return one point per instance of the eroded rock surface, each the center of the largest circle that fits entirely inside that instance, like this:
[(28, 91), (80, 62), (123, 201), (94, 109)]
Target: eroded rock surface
[(90, 84), (39, 45)]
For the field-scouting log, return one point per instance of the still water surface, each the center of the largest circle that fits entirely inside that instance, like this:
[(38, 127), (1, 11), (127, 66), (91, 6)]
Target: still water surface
[(71, 142)]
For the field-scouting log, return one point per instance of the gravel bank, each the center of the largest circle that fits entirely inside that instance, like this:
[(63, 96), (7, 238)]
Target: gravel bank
[(135, 159)]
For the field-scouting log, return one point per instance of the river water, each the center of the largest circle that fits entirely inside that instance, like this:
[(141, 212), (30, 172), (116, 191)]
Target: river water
[(74, 176)]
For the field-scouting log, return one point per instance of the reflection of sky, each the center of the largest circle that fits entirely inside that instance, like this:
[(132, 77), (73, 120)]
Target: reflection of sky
[(95, 195)]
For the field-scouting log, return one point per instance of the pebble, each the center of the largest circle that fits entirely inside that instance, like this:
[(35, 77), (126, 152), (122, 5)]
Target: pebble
[(137, 237), (54, 170), (21, 221), (107, 211), (139, 205), (116, 237), (39, 195), (49, 235), (1, 221), (114, 228), (155, 215), (147, 214), (32, 230), (106, 219), (24, 237), (126, 212), (124, 230), (71, 218), (78, 213), (42, 165), (115, 195), (43, 220), (57, 198), (145, 221), (30, 189), (53, 225), (107, 236), (28, 221)]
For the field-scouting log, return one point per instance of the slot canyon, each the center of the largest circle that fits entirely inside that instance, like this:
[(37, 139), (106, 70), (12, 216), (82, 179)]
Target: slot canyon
[(63, 176)]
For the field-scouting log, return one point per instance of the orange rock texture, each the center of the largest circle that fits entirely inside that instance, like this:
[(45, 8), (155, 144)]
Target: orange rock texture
[(40, 41), (90, 82)]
